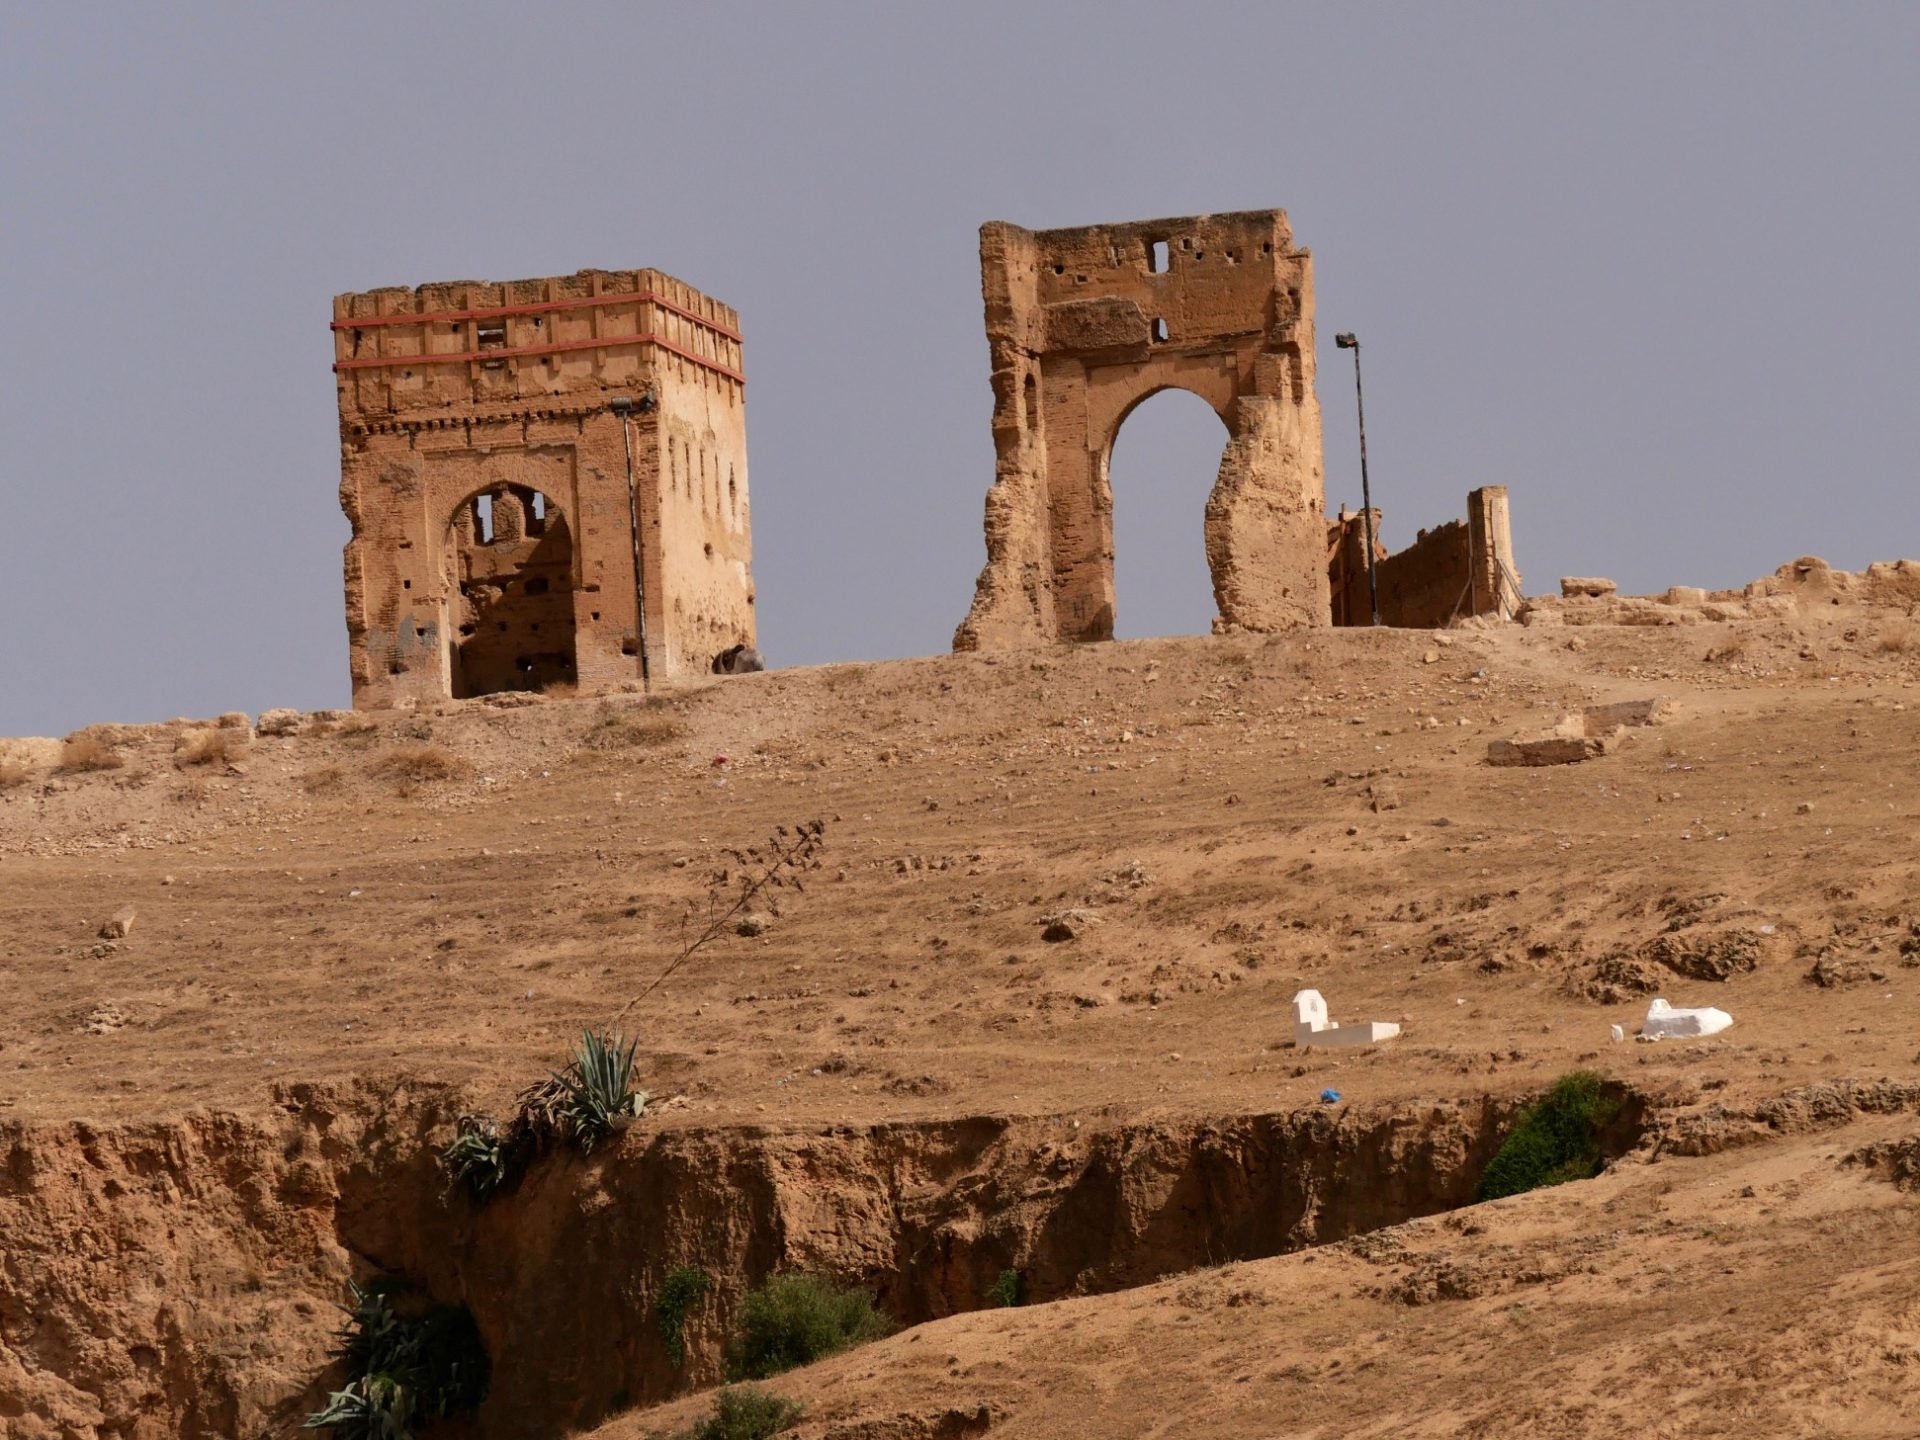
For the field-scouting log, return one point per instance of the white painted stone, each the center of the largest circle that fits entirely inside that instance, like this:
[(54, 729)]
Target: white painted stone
[(1663, 1020), (1311, 1026)]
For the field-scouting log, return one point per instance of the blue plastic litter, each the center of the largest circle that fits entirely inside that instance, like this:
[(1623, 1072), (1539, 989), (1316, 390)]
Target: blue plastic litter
[(1330, 1097)]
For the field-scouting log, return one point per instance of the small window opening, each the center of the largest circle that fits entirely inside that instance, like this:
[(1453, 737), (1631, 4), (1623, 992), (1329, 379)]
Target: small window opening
[(1030, 396), (733, 493), (1159, 329), (1157, 257), (491, 334), (539, 506), (406, 584), (596, 614), (629, 645), (483, 519), (1058, 270)]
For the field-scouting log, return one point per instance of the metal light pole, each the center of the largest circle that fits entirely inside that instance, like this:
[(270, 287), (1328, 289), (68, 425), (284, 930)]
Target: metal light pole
[(1347, 340)]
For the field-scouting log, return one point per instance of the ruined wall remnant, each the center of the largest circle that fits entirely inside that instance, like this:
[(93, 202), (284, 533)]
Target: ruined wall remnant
[(1464, 567), (486, 475), (1083, 325)]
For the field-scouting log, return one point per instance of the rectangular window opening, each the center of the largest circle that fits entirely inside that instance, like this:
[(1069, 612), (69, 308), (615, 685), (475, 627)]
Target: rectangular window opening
[(1156, 257), (1159, 330)]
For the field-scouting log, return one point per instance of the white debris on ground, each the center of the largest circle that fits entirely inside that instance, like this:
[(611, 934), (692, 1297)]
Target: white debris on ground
[(1664, 1021), (1311, 1026)]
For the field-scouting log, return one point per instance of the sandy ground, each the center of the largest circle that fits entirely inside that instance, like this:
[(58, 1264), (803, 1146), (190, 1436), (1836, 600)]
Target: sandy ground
[(1238, 817)]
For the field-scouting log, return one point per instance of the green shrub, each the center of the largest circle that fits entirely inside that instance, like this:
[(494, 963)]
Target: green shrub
[(405, 1368), (797, 1319), (1008, 1291), (1555, 1139), (747, 1414), (679, 1293)]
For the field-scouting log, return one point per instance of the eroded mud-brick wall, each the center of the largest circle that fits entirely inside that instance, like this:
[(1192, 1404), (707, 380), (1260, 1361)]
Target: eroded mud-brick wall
[(500, 499), (1464, 567), (1083, 325)]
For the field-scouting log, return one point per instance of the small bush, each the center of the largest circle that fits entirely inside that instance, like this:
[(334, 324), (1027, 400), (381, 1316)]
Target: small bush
[(746, 1413), (209, 747), (1555, 1139), (12, 773), (679, 1293), (1008, 1291), (405, 1370), (1897, 637), (417, 764), (798, 1319), (83, 752)]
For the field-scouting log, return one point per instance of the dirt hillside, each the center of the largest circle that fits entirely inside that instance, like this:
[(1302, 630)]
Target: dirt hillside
[(1029, 1007)]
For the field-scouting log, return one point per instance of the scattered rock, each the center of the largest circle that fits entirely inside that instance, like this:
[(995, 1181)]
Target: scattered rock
[(1590, 586), (1707, 957), (751, 924), (1545, 750), (1832, 971), (1065, 925), (119, 927), (278, 722)]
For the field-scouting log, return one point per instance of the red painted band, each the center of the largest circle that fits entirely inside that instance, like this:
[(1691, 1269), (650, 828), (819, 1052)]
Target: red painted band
[(365, 322)]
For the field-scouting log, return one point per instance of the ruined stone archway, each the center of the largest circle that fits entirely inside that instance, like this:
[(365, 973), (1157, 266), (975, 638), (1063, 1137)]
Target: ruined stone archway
[(1160, 467), (1083, 324), (510, 574)]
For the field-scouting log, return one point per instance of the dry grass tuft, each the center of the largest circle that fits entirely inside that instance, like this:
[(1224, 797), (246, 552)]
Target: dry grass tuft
[(321, 780), (419, 764), (83, 752), (1899, 637), (209, 747), (12, 773), (622, 729)]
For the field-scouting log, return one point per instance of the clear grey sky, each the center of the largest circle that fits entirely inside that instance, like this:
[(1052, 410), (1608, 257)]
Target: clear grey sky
[(1651, 265)]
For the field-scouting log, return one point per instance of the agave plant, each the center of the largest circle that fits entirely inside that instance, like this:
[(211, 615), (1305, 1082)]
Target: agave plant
[(476, 1157), (597, 1092), (404, 1371)]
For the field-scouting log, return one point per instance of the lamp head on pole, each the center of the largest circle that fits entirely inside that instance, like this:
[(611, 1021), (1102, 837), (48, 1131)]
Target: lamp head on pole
[(1346, 340)]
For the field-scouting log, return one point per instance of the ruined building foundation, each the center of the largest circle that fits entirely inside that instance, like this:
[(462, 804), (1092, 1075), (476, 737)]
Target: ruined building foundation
[(1085, 324), (538, 474)]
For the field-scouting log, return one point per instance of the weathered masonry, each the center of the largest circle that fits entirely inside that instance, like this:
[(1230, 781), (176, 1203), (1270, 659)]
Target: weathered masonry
[(547, 483), (1083, 325), (1461, 568)]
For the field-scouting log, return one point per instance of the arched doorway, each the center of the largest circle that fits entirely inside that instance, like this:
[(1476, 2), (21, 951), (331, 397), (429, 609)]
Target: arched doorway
[(1161, 468), (510, 560)]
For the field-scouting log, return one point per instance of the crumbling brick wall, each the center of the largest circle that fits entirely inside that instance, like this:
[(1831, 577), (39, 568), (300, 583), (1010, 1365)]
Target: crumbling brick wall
[(499, 498), (1084, 324), (1464, 567)]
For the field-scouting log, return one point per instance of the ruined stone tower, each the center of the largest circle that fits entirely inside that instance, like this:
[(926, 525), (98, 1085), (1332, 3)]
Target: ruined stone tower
[(1083, 325), (547, 483)]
